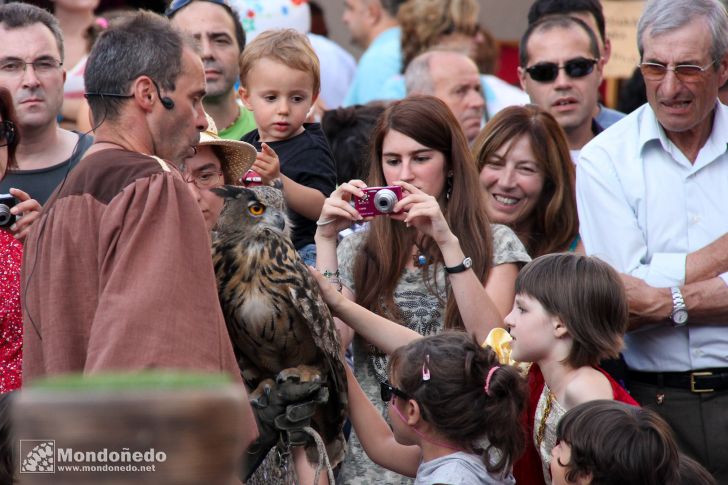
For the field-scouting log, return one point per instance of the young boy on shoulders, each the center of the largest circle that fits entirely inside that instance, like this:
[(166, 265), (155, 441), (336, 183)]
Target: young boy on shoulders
[(280, 82)]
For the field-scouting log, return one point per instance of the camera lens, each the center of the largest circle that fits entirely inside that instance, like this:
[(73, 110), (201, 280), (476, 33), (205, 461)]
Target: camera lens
[(5, 215), (384, 201)]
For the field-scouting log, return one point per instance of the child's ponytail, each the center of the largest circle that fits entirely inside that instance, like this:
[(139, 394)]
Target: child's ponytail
[(447, 375), (505, 397)]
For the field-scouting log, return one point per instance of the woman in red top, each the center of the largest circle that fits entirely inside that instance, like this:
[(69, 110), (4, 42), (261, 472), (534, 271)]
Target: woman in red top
[(11, 321)]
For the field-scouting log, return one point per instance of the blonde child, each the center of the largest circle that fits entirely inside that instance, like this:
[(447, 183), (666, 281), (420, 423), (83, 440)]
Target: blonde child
[(279, 83), (454, 412)]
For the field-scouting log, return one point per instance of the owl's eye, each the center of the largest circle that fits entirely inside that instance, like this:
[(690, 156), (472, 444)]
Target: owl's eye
[(256, 209)]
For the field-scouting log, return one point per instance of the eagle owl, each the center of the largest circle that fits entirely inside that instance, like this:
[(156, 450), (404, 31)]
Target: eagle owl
[(278, 323)]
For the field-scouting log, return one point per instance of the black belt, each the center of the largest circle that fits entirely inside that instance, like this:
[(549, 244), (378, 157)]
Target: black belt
[(706, 380)]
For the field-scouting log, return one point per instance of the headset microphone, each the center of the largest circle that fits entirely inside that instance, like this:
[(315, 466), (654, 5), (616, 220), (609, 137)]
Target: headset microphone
[(167, 102)]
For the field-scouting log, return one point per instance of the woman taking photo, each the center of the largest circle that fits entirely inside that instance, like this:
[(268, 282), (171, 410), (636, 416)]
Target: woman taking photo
[(528, 176), (435, 262)]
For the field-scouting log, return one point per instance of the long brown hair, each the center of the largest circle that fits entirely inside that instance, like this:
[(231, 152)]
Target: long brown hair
[(387, 249), (7, 113), (555, 220)]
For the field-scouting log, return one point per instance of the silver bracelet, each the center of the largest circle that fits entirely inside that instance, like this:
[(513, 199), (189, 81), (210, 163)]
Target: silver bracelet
[(323, 222), (333, 278)]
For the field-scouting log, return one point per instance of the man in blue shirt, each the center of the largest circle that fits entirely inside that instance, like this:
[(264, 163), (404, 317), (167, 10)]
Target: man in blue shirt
[(373, 26)]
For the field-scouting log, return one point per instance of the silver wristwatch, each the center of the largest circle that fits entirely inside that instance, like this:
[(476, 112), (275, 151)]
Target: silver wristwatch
[(679, 315)]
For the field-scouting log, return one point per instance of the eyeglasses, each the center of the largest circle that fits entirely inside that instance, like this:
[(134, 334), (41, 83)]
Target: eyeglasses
[(205, 180), (42, 67), (654, 71), (180, 4), (546, 72), (387, 390), (7, 133)]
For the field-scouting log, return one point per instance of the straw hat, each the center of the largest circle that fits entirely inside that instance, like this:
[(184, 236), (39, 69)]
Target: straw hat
[(238, 156)]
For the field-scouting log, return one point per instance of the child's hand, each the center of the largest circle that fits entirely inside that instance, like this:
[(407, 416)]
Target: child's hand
[(267, 164)]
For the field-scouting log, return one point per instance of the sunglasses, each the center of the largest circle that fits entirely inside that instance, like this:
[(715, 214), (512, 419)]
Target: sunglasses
[(654, 71), (387, 390), (7, 133), (180, 4), (546, 72)]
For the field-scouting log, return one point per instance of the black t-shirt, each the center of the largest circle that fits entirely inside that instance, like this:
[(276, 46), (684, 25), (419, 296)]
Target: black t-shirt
[(306, 159), (40, 183)]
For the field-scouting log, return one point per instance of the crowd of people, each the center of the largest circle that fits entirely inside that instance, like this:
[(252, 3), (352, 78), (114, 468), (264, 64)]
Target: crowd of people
[(593, 237)]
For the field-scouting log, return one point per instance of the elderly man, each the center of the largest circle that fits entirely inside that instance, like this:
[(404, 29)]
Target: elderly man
[(373, 26), (652, 196), (217, 29), (453, 77), (31, 60), (561, 69), (118, 273), (591, 12)]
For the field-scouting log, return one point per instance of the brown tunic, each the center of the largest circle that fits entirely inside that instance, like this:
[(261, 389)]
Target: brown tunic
[(119, 276)]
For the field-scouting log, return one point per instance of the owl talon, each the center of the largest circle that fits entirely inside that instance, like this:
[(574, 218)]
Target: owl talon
[(260, 398), (300, 374)]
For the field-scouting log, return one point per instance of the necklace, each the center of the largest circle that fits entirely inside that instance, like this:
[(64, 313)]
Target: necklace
[(542, 424), (419, 259)]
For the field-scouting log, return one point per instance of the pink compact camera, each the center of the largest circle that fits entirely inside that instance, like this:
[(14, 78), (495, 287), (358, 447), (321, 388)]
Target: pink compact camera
[(377, 200)]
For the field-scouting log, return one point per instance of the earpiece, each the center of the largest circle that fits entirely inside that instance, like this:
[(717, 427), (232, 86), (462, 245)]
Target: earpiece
[(166, 101)]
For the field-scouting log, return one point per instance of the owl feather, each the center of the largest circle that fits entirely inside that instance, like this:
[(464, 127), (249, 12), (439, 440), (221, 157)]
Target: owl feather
[(273, 308)]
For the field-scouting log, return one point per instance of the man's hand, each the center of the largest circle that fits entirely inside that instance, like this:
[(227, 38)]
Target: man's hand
[(30, 210), (647, 304), (267, 164), (284, 406)]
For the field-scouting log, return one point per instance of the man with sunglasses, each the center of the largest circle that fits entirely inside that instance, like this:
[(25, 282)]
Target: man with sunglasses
[(216, 27), (561, 69), (652, 200), (591, 12)]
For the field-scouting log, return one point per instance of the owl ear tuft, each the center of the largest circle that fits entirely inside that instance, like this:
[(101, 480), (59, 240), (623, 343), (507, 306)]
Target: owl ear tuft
[(228, 191), (222, 192)]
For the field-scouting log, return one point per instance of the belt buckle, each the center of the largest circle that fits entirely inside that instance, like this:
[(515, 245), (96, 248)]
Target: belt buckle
[(693, 375)]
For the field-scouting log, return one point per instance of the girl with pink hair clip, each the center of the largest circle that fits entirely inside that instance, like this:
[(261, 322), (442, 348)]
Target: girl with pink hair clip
[(454, 412)]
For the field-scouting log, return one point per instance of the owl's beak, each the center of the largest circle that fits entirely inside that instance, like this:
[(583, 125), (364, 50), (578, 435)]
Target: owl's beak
[(280, 222)]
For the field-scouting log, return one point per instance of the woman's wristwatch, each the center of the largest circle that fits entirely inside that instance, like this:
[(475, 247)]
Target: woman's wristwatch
[(465, 265)]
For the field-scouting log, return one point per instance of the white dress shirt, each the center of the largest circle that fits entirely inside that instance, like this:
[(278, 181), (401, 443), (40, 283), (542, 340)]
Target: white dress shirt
[(642, 208)]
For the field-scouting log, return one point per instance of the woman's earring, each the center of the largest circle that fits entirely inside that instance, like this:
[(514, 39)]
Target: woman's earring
[(448, 186)]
